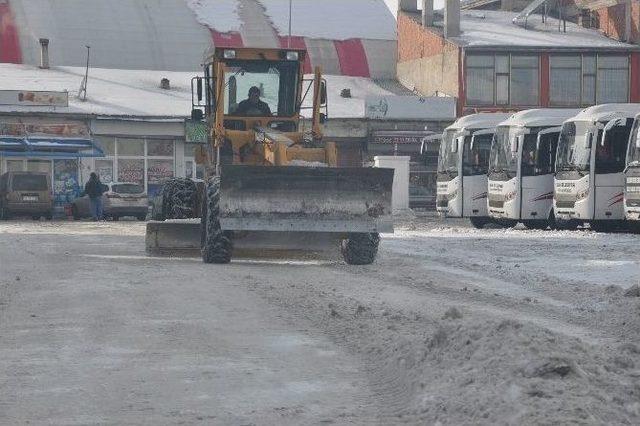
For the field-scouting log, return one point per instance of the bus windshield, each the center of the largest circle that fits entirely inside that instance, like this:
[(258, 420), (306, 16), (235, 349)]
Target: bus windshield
[(475, 159), (448, 160), (503, 159), (633, 157), (574, 151)]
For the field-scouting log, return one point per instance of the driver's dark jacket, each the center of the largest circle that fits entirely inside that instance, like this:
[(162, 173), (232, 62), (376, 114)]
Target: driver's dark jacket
[(259, 109)]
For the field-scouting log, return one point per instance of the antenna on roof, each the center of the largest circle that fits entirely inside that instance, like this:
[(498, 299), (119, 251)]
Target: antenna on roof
[(82, 93)]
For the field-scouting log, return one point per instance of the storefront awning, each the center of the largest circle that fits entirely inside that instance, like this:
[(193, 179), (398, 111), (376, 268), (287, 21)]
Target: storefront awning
[(45, 146)]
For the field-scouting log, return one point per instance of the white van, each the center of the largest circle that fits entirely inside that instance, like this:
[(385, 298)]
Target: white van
[(592, 151), (462, 167), (522, 165)]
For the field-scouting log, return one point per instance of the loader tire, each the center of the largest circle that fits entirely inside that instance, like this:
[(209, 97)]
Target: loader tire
[(178, 199), (216, 244), (360, 249)]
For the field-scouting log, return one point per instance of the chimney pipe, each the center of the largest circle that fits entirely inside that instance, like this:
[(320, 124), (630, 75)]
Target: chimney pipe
[(408, 5), (451, 18), (44, 53), (427, 13)]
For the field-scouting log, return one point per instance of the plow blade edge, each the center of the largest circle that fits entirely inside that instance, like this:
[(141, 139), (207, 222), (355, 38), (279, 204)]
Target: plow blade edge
[(306, 199)]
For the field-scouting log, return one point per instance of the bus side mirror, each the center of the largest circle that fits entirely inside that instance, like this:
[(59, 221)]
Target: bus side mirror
[(588, 140), (323, 93), (199, 88), (515, 143)]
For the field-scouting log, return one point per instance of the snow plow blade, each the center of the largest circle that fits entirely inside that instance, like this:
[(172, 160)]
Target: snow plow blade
[(306, 199)]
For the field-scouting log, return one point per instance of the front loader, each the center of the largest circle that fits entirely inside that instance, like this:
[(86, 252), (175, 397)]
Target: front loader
[(270, 180)]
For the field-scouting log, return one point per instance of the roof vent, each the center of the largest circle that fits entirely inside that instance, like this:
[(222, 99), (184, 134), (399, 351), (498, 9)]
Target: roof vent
[(44, 53), (165, 84)]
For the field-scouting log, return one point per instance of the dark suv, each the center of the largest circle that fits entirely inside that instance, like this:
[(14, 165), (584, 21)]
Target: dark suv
[(26, 194)]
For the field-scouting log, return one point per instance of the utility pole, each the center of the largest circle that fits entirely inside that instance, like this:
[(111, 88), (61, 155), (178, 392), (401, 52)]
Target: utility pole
[(82, 94), (289, 39)]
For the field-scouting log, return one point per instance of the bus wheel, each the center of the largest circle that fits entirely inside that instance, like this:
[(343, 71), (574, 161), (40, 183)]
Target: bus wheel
[(478, 222)]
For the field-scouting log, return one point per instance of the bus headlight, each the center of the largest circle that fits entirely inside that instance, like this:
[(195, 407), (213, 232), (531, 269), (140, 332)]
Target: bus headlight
[(582, 195), (510, 196)]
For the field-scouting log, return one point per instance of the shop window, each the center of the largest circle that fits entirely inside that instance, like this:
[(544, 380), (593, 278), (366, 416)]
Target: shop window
[(157, 172), (480, 74), (160, 148), (43, 166), (104, 169), (188, 169), (131, 171), (130, 147), (566, 76), (108, 144), (583, 80), (15, 165), (524, 80), (502, 79), (613, 79)]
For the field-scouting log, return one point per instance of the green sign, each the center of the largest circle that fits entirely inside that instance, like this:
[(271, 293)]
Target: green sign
[(195, 131)]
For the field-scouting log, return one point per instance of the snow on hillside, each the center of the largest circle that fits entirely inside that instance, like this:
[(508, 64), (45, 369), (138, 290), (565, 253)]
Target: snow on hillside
[(333, 19)]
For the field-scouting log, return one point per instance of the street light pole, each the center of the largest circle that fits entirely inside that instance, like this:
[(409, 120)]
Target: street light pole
[(289, 39)]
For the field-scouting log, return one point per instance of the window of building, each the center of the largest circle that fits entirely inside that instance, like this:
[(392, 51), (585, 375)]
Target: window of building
[(160, 148), (130, 147), (582, 80), (502, 79), (104, 169)]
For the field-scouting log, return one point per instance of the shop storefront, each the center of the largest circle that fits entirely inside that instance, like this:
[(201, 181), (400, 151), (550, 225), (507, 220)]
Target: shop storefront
[(57, 149)]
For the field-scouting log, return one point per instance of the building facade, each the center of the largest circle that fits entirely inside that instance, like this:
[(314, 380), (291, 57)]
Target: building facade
[(493, 64)]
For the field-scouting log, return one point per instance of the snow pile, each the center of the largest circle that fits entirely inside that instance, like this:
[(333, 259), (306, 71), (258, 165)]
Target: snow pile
[(220, 15), (333, 19)]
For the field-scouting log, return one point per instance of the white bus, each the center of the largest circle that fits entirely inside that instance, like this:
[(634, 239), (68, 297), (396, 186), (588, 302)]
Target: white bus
[(521, 167), (589, 182), (462, 167), (632, 183)]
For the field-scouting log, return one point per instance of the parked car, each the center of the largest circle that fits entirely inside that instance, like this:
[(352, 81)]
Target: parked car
[(26, 194), (121, 199)]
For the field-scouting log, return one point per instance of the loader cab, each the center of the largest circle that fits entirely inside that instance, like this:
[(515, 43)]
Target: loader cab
[(277, 75)]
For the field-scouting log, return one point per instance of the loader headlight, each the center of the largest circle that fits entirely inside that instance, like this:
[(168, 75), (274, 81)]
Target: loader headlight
[(582, 195), (510, 196), (292, 56), (229, 54)]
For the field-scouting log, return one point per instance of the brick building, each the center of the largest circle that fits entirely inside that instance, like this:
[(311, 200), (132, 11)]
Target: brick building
[(618, 19), (490, 62)]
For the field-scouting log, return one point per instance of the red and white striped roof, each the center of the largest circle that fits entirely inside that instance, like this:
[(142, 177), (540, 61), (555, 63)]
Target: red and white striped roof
[(345, 37)]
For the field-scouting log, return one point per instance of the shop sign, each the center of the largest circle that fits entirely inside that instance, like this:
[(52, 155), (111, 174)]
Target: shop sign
[(399, 137), (195, 131), (69, 130), (433, 108), (34, 98)]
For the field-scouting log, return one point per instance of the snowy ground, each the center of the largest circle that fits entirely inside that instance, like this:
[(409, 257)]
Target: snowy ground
[(451, 326)]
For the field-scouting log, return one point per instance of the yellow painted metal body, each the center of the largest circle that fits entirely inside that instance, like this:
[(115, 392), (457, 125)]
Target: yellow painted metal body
[(274, 148)]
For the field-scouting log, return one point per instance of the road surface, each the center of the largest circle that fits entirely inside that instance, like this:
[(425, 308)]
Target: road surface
[(452, 325)]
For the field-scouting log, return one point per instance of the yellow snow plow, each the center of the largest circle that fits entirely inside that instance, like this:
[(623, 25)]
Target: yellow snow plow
[(266, 175)]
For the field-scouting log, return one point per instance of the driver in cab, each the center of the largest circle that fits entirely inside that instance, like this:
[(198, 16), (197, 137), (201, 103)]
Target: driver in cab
[(253, 106)]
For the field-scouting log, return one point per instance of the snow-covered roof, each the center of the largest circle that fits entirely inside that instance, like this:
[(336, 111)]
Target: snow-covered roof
[(495, 29), (483, 120), (321, 19), (137, 93), (540, 117), (607, 111)]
